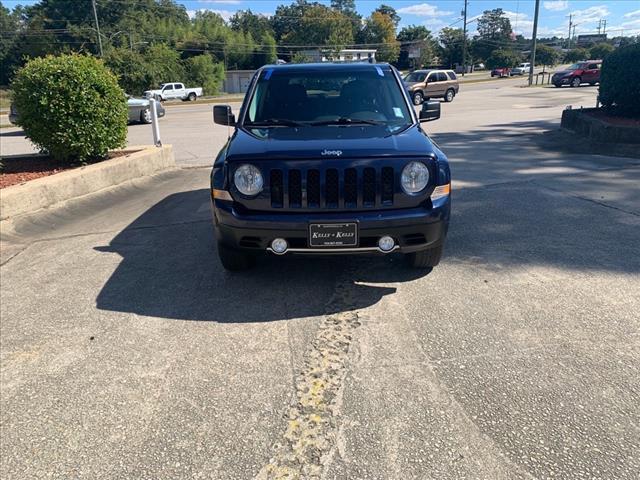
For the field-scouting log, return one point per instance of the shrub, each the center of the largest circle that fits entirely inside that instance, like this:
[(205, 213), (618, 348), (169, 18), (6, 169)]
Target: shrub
[(70, 106), (620, 80)]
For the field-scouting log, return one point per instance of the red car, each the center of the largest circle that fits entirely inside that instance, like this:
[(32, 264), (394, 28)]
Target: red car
[(501, 72), (578, 73)]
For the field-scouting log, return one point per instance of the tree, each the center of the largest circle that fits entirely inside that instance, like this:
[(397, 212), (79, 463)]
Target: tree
[(321, 25), (503, 58), (267, 52), (420, 37), (451, 40), (380, 30), (576, 55), (163, 64), (287, 20), (131, 69), (344, 6), (348, 9), (9, 26), (494, 32), (390, 12), (547, 56), (247, 21), (600, 51), (201, 70)]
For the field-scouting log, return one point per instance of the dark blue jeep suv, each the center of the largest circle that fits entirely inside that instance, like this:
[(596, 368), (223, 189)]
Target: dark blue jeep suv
[(329, 159)]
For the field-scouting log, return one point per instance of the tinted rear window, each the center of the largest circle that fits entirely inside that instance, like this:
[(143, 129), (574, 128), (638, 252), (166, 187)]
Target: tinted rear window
[(452, 75)]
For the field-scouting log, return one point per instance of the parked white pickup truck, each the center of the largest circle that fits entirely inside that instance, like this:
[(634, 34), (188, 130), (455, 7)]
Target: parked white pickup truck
[(170, 91)]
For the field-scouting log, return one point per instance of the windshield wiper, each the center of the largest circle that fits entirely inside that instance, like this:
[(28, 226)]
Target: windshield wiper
[(346, 121), (275, 122)]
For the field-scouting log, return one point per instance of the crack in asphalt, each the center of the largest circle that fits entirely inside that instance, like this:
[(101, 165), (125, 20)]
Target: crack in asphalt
[(310, 439)]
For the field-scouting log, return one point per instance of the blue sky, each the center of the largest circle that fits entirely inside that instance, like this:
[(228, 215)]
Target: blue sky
[(622, 16)]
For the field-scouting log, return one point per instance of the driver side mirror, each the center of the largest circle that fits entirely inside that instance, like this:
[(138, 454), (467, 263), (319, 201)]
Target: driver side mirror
[(222, 115), (430, 111)]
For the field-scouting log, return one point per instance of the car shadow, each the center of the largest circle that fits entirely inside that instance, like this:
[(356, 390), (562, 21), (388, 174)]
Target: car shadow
[(169, 269), (12, 133)]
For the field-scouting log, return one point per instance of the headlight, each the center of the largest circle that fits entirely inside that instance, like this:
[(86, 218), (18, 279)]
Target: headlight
[(415, 177), (248, 180)]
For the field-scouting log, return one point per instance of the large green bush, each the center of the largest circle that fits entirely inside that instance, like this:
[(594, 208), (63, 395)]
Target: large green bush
[(620, 80), (71, 106)]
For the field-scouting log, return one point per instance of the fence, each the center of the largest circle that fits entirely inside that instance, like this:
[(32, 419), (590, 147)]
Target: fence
[(541, 80)]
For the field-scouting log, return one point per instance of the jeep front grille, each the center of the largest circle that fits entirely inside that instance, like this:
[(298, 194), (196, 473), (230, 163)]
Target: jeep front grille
[(332, 188)]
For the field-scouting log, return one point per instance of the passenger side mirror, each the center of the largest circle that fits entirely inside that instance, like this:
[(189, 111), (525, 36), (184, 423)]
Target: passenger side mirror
[(430, 111), (222, 115)]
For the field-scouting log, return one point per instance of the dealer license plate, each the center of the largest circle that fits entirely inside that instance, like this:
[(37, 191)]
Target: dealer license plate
[(333, 235)]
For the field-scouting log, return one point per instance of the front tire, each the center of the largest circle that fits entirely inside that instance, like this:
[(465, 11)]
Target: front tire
[(448, 97), (425, 258), (234, 260), (418, 98), (145, 116), (576, 82)]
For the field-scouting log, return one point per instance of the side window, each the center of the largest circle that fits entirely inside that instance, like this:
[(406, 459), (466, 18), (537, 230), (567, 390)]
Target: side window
[(442, 77), (168, 87), (178, 86), (452, 75), (433, 77), (593, 66)]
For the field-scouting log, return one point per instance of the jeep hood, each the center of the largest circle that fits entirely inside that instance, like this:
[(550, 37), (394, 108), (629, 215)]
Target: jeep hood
[(327, 143)]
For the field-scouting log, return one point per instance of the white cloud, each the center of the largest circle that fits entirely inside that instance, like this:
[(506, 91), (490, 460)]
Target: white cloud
[(633, 14), (424, 10), (225, 14), (590, 15), (520, 23), (556, 5)]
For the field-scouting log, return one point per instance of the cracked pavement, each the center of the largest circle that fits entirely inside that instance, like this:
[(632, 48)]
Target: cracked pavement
[(127, 352)]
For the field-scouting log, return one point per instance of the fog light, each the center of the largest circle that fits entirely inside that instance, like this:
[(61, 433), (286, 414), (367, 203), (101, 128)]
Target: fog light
[(279, 245), (386, 243)]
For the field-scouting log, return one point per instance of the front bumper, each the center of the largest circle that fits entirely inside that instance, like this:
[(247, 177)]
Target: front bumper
[(412, 229), (561, 81)]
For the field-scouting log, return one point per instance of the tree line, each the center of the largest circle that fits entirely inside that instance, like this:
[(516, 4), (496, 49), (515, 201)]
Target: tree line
[(146, 42)]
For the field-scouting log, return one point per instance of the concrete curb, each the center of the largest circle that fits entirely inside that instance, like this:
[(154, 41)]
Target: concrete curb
[(48, 191)]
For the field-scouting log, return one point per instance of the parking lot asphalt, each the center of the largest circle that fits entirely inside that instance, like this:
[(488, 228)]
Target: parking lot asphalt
[(127, 352)]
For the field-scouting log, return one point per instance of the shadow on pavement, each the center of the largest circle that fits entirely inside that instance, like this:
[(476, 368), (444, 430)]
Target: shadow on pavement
[(517, 207), (170, 269), (13, 133)]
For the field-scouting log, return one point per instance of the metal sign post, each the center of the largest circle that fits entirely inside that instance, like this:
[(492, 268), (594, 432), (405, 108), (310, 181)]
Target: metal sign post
[(155, 126)]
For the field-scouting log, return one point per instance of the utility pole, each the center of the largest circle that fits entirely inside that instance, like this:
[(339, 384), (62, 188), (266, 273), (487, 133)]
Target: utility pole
[(570, 24), (604, 26), (464, 41), (95, 15), (534, 38), (599, 26)]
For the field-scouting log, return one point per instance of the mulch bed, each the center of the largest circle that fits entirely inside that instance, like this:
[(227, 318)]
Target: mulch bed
[(21, 169), (615, 120)]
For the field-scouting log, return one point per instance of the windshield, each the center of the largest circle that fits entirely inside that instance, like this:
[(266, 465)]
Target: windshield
[(415, 77), (328, 97), (575, 66)]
